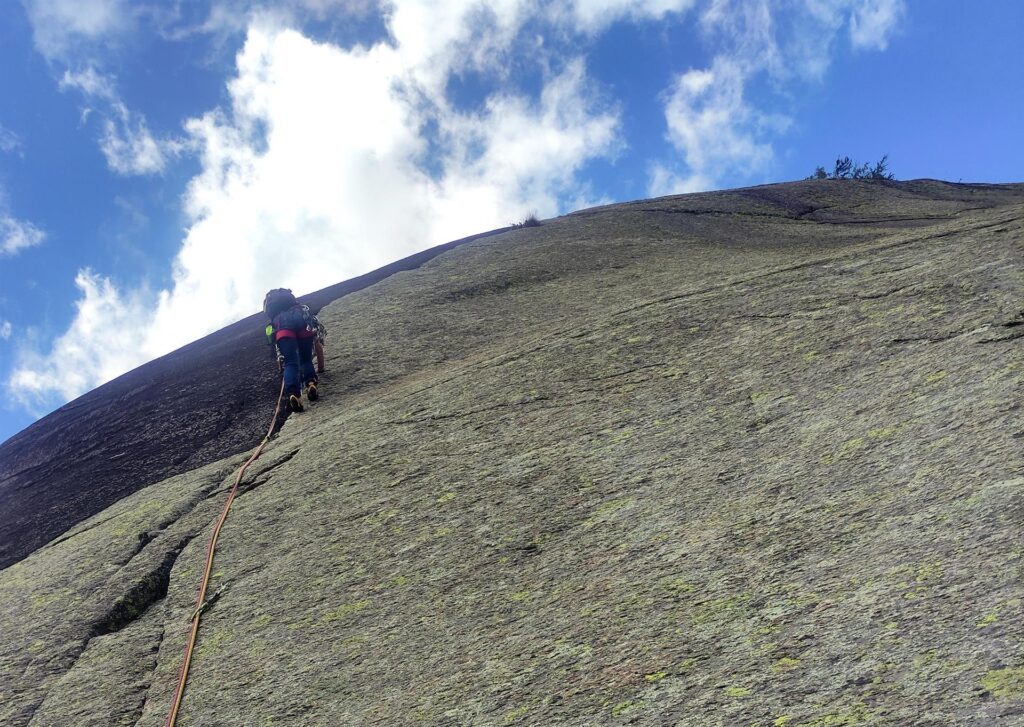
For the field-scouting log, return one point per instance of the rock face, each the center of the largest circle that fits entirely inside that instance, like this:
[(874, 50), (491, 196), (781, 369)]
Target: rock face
[(742, 458), (197, 405)]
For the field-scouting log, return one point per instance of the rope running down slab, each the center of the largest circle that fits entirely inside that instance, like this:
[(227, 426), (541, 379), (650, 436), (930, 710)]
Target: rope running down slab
[(172, 716)]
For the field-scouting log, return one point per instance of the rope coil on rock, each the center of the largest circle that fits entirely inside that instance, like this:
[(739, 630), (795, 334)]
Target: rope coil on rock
[(201, 602)]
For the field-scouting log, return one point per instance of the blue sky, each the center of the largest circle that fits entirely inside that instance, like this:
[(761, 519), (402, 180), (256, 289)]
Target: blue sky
[(163, 164)]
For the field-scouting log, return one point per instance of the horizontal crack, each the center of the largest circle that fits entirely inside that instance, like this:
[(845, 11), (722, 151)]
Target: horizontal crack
[(884, 294), (1012, 337), (507, 405), (930, 339), (624, 373)]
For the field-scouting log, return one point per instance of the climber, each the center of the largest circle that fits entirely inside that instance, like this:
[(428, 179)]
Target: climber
[(295, 331), (318, 346)]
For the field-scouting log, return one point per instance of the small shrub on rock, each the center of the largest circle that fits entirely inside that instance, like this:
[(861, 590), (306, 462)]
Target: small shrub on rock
[(846, 168), (530, 221)]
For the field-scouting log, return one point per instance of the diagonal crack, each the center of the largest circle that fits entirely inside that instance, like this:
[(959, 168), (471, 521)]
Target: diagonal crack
[(498, 407), (1002, 339), (467, 413), (930, 339), (882, 294), (144, 593), (763, 273), (149, 589), (259, 479)]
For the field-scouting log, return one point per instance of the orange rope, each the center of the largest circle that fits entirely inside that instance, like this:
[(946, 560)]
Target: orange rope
[(210, 546)]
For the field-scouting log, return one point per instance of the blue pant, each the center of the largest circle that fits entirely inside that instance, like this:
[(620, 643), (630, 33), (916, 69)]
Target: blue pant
[(298, 363)]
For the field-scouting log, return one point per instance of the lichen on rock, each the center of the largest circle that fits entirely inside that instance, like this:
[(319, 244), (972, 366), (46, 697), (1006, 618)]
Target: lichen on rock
[(748, 457)]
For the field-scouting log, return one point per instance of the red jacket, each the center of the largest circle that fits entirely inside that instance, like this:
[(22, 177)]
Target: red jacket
[(286, 333)]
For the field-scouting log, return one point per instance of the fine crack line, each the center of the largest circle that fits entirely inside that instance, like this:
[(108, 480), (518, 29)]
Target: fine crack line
[(738, 213), (881, 220), (835, 304), (150, 674), (470, 412), (277, 463), (75, 532), (258, 478), (806, 264), (624, 373), (212, 485), (144, 539), (556, 337), (1002, 339), (884, 294), (931, 339), (802, 216), (506, 405)]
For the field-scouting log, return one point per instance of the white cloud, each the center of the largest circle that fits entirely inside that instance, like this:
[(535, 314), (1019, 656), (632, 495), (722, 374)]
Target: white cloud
[(592, 16), (345, 187), (10, 143), (872, 22), (6, 329), (745, 31), (17, 235), (324, 8), (719, 133), (129, 146), (90, 82), (663, 181), (82, 357), (126, 141), (317, 172), (60, 25)]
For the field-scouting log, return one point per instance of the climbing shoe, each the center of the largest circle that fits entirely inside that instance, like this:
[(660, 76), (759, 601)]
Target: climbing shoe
[(294, 403), (311, 393)]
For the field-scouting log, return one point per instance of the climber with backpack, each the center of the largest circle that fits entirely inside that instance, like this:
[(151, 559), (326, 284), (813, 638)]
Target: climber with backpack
[(295, 330)]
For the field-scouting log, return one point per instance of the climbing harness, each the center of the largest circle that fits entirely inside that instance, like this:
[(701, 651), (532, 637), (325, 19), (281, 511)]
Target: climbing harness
[(201, 603)]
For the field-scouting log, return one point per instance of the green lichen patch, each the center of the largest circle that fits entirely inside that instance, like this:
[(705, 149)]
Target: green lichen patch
[(1007, 683), (345, 610)]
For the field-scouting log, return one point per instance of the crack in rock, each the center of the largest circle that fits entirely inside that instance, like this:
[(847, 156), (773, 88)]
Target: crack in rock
[(152, 587), (1004, 339), (150, 672), (259, 479)]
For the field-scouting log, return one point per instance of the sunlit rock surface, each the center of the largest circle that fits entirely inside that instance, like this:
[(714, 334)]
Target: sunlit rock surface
[(742, 458)]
